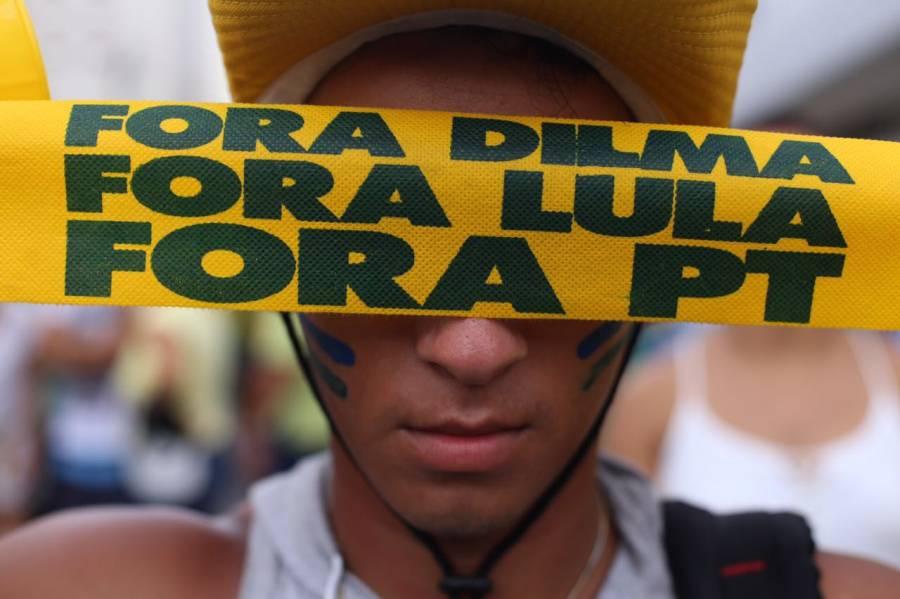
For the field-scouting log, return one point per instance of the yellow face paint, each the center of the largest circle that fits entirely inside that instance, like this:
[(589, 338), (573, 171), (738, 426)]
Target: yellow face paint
[(319, 209)]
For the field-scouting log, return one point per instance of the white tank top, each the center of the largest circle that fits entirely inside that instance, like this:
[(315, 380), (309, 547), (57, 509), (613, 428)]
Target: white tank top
[(849, 488)]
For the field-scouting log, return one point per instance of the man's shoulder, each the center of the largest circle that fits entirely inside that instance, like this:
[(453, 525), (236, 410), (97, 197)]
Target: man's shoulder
[(135, 553), (851, 578)]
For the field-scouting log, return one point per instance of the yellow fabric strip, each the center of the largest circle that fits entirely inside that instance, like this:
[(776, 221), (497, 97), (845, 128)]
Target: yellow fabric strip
[(320, 209)]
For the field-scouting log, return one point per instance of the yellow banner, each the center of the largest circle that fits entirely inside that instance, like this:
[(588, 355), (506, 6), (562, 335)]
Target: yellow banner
[(320, 209)]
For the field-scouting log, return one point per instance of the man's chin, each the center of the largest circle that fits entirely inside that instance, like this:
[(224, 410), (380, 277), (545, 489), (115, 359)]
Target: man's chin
[(462, 527), (462, 514)]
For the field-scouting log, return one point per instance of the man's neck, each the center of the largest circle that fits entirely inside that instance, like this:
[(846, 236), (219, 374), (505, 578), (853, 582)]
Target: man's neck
[(546, 562)]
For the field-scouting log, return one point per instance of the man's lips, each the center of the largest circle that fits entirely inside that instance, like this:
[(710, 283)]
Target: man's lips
[(456, 446)]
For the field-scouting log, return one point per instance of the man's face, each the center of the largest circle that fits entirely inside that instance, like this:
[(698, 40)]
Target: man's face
[(461, 423)]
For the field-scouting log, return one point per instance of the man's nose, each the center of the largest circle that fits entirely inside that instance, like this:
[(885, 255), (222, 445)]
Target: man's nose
[(474, 351)]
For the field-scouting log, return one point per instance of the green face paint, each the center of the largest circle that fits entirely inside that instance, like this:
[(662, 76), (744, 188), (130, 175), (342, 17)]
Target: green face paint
[(604, 362)]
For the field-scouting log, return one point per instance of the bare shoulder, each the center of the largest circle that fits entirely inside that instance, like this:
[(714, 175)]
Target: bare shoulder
[(640, 415), (114, 553), (851, 578)]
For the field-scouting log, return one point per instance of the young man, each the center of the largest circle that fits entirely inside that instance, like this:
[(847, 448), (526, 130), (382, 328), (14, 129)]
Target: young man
[(460, 466)]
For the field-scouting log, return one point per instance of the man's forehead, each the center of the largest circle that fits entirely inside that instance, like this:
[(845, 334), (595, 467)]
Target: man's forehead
[(471, 69)]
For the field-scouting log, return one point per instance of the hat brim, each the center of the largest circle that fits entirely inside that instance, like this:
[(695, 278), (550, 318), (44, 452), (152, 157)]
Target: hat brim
[(22, 75), (673, 60)]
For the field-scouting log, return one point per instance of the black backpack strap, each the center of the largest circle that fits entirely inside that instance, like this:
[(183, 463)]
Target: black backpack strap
[(753, 555)]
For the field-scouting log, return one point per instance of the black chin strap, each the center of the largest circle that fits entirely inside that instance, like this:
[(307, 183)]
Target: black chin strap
[(478, 585)]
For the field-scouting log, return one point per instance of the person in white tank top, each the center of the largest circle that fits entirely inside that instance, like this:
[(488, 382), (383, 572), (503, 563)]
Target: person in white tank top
[(821, 435)]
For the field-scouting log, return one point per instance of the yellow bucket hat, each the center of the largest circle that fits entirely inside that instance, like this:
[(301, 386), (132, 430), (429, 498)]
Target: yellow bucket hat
[(22, 76), (672, 60)]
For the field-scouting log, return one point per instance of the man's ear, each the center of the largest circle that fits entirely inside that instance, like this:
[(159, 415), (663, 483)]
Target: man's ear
[(852, 578)]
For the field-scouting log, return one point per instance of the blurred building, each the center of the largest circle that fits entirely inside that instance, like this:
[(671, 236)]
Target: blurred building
[(129, 49), (824, 65), (863, 102)]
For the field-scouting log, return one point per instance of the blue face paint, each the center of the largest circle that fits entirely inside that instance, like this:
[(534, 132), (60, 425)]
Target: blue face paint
[(597, 338), (605, 360), (333, 347), (334, 383)]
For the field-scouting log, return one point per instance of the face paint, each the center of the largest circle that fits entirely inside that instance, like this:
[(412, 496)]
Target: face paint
[(334, 383), (596, 338), (604, 362), (336, 349)]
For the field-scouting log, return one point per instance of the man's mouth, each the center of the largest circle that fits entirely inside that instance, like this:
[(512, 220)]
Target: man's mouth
[(464, 447)]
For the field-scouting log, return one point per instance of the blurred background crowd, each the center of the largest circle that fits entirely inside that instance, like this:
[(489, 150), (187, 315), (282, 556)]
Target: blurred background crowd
[(189, 407)]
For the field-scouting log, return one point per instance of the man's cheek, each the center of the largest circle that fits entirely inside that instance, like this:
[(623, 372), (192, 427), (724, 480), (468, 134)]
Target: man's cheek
[(328, 355), (597, 338), (599, 349)]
